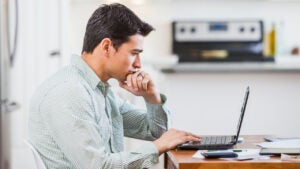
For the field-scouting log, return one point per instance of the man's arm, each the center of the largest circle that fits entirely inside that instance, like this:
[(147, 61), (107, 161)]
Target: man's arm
[(141, 84), (143, 124), (70, 116), (150, 124)]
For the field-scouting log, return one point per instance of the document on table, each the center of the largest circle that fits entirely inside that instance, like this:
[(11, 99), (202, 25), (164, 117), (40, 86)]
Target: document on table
[(286, 157), (198, 155), (281, 144), (273, 139)]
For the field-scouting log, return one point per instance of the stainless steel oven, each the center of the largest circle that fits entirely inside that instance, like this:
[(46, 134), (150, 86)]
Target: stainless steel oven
[(218, 41)]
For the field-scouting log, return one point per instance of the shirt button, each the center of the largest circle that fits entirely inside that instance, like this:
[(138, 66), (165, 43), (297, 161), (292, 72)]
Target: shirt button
[(155, 160)]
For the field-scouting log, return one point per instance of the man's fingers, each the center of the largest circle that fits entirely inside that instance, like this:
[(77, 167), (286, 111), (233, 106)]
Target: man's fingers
[(194, 135), (134, 79), (128, 80), (139, 81), (173, 138), (145, 84), (192, 138)]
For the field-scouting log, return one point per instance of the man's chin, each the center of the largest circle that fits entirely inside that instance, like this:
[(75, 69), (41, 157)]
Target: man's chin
[(123, 80)]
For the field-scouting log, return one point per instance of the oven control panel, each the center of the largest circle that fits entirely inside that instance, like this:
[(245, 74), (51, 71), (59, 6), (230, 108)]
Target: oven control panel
[(217, 31)]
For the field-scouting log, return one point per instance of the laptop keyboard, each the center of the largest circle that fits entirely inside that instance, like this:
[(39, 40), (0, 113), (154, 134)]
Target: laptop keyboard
[(212, 140)]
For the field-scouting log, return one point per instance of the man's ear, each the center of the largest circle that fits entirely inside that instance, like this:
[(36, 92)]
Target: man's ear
[(105, 45)]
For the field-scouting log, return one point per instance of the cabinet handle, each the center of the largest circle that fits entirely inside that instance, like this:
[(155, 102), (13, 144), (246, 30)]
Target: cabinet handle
[(55, 53)]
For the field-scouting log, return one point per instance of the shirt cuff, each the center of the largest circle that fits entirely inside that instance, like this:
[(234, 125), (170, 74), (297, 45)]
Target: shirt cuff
[(158, 107), (151, 149)]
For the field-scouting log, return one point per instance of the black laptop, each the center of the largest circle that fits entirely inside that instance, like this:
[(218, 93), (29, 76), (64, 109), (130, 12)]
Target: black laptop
[(218, 142)]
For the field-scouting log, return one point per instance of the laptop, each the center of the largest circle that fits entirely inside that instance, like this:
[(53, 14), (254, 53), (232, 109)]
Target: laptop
[(218, 142)]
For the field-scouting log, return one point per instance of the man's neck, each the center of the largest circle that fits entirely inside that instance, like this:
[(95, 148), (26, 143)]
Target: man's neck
[(96, 65)]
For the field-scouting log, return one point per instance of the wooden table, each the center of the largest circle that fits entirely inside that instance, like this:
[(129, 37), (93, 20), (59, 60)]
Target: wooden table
[(182, 159)]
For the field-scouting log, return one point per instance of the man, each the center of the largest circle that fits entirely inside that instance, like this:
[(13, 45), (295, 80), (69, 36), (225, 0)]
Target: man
[(77, 121)]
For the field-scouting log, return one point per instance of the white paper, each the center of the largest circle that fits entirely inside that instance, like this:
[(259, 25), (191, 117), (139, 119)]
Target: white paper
[(248, 154), (281, 144), (286, 157), (198, 155)]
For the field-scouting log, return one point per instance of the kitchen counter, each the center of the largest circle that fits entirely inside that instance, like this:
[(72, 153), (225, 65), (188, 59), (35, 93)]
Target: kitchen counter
[(281, 64), (231, 67)]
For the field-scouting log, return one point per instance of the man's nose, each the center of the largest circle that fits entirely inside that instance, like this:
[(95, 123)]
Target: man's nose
[(137, 62)]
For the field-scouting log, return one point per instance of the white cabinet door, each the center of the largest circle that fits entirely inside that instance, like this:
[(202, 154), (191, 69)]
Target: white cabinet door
[(48, 20), (39, 43)]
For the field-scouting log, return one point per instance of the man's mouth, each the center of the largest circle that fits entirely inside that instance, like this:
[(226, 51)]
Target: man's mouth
[(132, 71)]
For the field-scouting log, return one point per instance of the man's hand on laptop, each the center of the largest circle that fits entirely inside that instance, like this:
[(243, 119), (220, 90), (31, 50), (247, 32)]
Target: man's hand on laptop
[(172, 138)]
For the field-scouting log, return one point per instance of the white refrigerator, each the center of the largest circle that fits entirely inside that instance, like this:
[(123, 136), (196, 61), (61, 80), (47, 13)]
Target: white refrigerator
[(7, 52)]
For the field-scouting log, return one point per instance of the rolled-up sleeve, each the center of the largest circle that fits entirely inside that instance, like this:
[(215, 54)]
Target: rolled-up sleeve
[(147, 124)]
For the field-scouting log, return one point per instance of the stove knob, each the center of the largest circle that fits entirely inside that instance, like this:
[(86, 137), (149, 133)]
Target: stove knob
[(193, 29), (182, 30), (242, 29)]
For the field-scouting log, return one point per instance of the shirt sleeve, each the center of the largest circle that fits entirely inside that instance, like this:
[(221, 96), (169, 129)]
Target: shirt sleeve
[(69, 115), (147, 124)]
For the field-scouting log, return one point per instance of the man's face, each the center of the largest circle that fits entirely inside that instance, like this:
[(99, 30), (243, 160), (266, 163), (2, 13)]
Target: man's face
[(126, 59)]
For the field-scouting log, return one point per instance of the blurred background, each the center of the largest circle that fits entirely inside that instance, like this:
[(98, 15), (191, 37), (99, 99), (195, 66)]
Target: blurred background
[(202, 55)]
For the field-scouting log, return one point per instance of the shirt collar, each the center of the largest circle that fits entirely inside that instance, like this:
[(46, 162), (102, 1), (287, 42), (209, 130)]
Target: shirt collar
[(88, 74)]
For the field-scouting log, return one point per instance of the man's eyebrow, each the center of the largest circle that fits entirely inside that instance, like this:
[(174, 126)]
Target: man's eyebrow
[(137, 50)]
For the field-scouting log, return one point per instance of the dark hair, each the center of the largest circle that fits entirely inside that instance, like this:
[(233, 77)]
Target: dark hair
[(114, 21)]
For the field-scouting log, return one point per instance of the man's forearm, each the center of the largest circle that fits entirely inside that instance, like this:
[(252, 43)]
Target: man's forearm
[(153, 98)]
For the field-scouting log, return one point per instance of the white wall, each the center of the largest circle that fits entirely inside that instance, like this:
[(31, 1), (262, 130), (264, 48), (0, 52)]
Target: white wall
[(211, 103)]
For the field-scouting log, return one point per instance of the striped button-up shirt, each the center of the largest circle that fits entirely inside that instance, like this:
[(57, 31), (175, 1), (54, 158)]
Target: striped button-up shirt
[(77, 121)]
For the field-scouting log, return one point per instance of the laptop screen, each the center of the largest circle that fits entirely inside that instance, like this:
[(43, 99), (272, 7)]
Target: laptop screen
[(242, 113)]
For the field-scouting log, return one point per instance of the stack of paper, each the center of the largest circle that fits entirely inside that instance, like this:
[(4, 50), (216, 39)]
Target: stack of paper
[(286, 157), (294, 143), (279, 147)]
